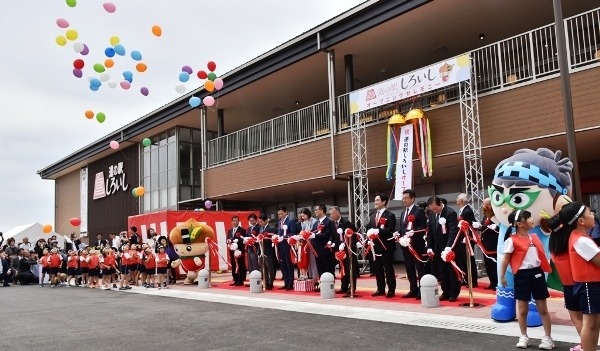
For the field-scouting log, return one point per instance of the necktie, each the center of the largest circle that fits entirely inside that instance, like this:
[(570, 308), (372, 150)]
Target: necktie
[(377, 218), (406, 214), (337, 226)]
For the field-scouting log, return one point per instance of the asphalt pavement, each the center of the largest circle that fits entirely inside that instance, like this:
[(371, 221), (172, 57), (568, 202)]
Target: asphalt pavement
[(80, 319)]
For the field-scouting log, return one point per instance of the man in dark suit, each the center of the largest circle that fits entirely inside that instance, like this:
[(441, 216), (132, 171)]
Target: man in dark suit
[(25, 276), (5, 271), (324, 230), (253, 250), (100, 242), (269, 251), (286, 227), (439, 239), (382, 224), (414, 269), (342, 224), (236, 235), (465, 213), (489, 240)]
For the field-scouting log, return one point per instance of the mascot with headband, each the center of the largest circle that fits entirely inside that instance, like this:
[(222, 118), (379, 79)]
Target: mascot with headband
[(539, 182)]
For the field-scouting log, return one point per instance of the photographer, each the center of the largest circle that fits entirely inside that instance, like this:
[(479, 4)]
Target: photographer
[(5, 270), (24, 271), (595, 232)]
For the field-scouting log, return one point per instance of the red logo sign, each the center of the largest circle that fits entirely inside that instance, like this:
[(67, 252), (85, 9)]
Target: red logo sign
[(99, 190), (370, 95)]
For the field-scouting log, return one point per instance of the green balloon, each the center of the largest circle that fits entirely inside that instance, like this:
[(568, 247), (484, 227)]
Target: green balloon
[(99, 68), (133, 192), (146, 142), (71, 3), (212, 76), (100, 117)]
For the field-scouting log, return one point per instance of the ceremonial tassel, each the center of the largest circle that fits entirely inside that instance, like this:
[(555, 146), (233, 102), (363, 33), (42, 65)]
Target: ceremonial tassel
[(416, 129), (392, 150), (429, 152), (423, 158)]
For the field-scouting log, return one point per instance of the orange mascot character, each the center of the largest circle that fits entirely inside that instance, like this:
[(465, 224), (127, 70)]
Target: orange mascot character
[(189, 241)]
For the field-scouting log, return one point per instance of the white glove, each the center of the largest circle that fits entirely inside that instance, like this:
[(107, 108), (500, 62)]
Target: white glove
[(460, 223), (233, 247), (372, 231), (359, 245), (443, 255), (492, 226), (342, 246), (246, 239), (237, 253), (447, 249), (410, 233), (298, 237), (404, 241), (340, 231), (235, 241), (476, 225), (429, 251)]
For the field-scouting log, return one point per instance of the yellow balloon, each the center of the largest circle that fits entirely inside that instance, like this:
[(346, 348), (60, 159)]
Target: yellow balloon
[(72, 34), (47, 228), (139, 191), (61, 41), (114, 40)]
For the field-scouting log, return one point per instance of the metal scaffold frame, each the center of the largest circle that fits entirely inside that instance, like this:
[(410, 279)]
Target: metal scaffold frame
[(471, 141), (360, 181)]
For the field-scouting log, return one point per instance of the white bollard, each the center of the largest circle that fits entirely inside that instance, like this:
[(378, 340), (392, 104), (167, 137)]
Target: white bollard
[(203, 279), (256, 282), (327, 286), (429, 291)]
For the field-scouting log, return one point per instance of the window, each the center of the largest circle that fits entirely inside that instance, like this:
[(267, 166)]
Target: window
[(160, 171)]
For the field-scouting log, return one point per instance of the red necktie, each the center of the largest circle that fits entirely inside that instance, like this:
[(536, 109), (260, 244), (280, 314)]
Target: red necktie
[(377, 219)]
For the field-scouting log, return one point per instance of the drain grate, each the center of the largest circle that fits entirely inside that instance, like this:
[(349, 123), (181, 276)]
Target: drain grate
[(451, 325)]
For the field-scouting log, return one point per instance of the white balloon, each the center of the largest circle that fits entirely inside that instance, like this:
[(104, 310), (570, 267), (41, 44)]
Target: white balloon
[(104, 77), (90, 78), (78, 47), (180, 88), (112, 85)]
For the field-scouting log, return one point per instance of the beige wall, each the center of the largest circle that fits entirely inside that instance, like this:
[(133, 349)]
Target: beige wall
[(67, 203)]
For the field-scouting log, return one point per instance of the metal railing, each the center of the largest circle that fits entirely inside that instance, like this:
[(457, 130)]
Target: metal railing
[(517, 60), (308, 123)]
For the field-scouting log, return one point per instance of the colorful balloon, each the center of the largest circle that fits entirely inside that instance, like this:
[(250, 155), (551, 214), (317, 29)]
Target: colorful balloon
[(202, 75), (104, 77), (136, 55), (125, 85), (141, 67), (78, 47), (112, 85), (109, 52), (180, 88), (139, 191), (48, 228), (75, 221), (71, 3), (109, 7), (156, 30), (99, 68), (78, 64), (95, 82), (133, 192), (61, 41), (128, 76), (77, 73), (109, 63), (114, 40), (195, 101), (85, 50), (94, 88), (89, 114), (114, 144), (119, 50), (100, 117), (209, 101), (219, 83), (208, 204), (72, 34), (62, 23), (211, 66), (209, 86), (184, 77), (144, 91), (187, 69), (146, 142), (212, 76)]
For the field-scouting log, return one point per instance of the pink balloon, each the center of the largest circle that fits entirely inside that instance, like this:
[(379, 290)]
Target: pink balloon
[(218, 83), (109, 7), (62, 23), (125, 85), (114, 144), (209, 101)]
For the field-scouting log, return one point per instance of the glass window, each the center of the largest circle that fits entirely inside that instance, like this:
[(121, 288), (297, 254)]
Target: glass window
[(171, 135), (154, 182), (184, 155), (146, 203), (162, 158), (197, 136), (172, 177), (172, 156), (146, 182), (197, 156), (163, 198), (147, 163), (154, 144), (197, 194), (154, 195), (184, 134), (154, 162), (185, 193), (163, 139), (185, 176), (173, 196), (196, 176), (162, 180)]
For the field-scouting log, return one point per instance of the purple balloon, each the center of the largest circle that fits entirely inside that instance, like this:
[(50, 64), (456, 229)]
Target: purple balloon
[(85, 50), (78, 73), (187, 69), (144, 91)]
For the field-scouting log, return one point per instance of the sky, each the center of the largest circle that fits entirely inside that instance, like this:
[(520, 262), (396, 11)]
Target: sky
[(42, 104)]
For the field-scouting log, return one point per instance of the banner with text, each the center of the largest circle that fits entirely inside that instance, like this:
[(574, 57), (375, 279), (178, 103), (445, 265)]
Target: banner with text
[(412, 84), (404, 173)]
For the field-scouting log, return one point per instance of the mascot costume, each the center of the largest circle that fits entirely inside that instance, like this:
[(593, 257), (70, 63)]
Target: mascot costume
[(539, 182), (190, 243)]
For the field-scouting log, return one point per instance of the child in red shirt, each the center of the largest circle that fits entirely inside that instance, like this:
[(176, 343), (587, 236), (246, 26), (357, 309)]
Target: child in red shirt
[(72, 264), (45, 266), (162, 262), (150, 265), (93, 262), (125, 264), (84, 267), (54, 262)]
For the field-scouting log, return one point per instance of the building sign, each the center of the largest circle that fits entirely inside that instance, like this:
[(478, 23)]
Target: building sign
[(83, 203), (116, 181), (412, 84), (404, 173)]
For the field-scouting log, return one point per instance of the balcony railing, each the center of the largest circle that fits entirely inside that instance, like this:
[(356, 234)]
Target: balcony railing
[(511, 62)]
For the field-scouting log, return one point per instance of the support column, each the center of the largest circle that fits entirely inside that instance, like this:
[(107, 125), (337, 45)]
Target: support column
[(220, 122), (349, 69), (204, 151), (332, 106)]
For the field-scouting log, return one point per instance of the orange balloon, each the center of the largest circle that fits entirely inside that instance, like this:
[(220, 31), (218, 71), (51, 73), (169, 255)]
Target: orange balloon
[(47, 228), (89, 114), (108, 63), (141, 67), (156, 30), (209, 85), (139, 191)]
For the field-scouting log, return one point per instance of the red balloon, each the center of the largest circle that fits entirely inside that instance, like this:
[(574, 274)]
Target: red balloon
[(202, 75), (78, 64), (211, 66), (75, 221)]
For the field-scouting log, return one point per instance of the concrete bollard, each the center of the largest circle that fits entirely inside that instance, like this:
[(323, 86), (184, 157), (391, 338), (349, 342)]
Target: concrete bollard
[(429, 291), (327, 286), (203, 279), (256, 282)]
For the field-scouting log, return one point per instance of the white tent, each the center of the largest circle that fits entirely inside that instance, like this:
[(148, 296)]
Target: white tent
[(34, 232)]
